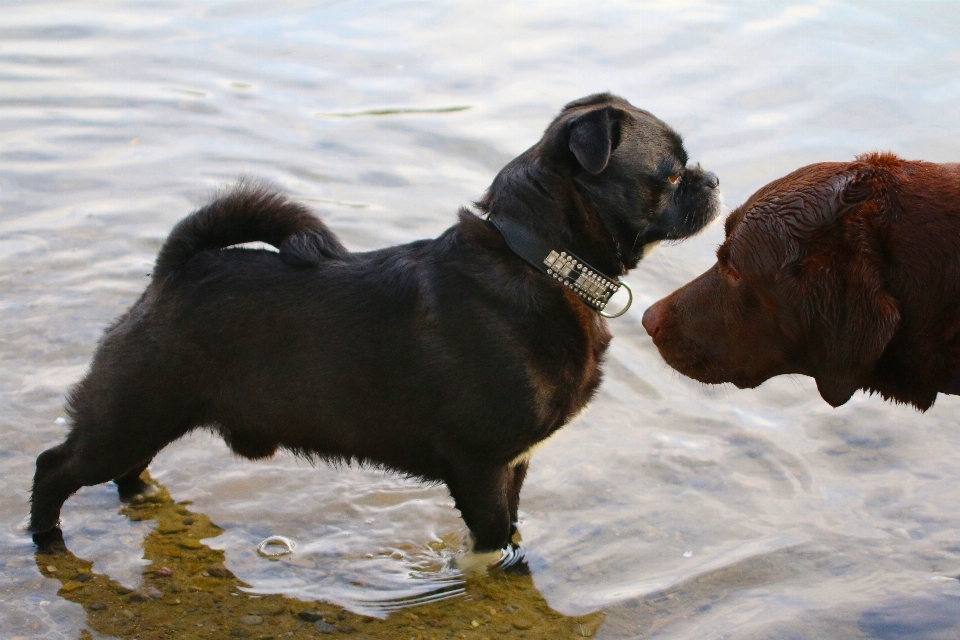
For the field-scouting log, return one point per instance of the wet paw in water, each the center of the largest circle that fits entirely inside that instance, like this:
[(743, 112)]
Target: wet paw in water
[(508, 560), (476, 564), (50, 542), (148, 493)]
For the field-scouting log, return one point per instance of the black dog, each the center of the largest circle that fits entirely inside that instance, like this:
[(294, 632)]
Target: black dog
[(445, 359)]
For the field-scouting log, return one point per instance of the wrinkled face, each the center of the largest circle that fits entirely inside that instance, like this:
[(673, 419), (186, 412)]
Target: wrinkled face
[(634, 171), (680, 198), (775, 301)]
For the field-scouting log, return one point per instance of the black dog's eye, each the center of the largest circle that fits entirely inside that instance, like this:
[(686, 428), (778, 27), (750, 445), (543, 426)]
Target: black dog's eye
[(674, 179)]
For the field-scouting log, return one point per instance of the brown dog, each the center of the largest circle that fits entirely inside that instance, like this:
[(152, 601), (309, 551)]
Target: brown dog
[(846, 272)]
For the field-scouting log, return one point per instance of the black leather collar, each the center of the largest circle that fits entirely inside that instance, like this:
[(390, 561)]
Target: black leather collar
[(588, 283)]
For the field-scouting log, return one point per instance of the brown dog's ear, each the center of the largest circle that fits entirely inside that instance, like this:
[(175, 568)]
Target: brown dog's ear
[(591, 139), (851, 315), (868, 321)]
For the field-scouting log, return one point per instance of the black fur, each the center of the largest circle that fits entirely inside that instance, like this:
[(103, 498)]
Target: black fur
[(445, 359)]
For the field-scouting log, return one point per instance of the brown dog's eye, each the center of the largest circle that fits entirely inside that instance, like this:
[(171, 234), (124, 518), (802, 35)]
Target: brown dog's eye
[(731, 273), (674, 179)]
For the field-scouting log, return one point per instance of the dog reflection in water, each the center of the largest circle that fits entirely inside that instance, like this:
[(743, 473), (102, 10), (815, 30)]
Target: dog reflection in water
[(187, 590), (444, 359)]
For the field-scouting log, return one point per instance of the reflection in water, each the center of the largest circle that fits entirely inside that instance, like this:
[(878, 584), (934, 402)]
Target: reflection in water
[(388, 112), (187, 592)]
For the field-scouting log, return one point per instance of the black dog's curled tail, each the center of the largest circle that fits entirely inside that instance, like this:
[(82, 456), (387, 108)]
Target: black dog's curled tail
[(250, 212)]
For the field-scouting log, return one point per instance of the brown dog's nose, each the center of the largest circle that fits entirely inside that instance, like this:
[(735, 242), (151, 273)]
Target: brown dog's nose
[(651, 318)]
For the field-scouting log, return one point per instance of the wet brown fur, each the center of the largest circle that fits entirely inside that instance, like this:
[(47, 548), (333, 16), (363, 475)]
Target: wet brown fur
[(846, 272)]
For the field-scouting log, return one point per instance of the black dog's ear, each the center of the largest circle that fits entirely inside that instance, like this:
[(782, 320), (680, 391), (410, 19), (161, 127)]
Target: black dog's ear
[(591, 139)]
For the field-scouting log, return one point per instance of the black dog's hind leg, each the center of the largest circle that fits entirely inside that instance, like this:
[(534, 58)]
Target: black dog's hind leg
[(481, 495)]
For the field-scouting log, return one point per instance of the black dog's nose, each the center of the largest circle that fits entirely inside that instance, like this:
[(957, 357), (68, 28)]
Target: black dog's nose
[(710, 179)]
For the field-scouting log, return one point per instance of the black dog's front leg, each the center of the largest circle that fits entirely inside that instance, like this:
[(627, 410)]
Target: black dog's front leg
[(482, 496)]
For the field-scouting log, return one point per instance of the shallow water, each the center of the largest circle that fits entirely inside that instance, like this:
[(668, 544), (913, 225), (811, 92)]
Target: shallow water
[(680, 511)]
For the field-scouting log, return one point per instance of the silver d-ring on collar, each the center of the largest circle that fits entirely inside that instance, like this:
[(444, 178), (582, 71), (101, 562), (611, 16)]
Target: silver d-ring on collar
[(624, 310)]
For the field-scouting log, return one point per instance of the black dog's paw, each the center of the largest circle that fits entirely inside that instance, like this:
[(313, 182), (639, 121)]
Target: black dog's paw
[(514, 561), (143, 492), (50, 542)]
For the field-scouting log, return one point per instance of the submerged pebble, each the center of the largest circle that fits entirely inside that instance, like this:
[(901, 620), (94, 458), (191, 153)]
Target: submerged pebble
[(522, 624), (325, 627), (310, 615), (272, 608), (171, 527), (146, 593), (218, 572)]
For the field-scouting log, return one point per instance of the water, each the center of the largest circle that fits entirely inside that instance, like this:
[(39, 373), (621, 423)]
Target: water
[(680, 511)]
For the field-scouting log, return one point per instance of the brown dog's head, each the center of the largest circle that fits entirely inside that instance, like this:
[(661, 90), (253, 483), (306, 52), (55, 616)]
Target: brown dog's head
[(798, 286)]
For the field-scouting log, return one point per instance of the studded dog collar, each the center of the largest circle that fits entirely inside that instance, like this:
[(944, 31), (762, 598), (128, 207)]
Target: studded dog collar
[(588, 283)]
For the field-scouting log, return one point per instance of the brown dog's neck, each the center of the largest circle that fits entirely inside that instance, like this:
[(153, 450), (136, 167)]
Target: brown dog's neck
[(916, 225)]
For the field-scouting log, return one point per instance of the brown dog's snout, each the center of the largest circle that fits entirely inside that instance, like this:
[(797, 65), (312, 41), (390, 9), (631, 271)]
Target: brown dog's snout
[(652, 317)]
